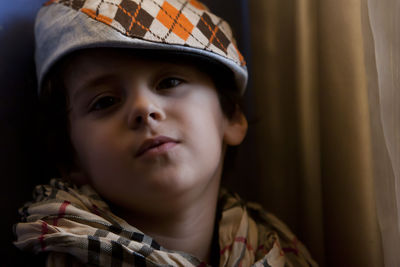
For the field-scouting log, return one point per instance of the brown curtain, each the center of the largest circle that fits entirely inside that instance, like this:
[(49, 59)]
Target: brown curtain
[(314, 161)]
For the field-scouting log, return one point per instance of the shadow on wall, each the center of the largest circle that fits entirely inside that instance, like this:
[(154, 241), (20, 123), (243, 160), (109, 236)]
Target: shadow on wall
[(19, 157)]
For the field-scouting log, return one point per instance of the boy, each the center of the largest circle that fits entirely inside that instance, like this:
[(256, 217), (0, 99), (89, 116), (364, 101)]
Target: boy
[(144, 100)]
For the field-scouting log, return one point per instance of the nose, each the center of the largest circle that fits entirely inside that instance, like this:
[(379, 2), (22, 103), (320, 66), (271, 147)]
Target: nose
[(144, 110)]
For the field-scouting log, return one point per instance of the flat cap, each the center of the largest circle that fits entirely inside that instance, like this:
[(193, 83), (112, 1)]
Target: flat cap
[(187, 26)]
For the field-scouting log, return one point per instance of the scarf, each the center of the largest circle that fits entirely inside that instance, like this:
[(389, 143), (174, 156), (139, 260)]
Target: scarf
[(77, 228)]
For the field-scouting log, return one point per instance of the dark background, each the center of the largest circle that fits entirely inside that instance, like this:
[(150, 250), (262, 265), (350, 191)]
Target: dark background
[(21, 160)]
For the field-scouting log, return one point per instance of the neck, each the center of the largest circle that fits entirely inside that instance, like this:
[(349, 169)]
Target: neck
[(190, 231), (187, 228)]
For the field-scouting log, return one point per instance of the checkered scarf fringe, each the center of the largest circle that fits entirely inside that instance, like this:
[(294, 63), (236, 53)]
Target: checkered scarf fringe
[(181, 22), (73, 223)]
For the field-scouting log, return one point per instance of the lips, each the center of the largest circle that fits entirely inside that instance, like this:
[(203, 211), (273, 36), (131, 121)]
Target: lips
[(154, 144)]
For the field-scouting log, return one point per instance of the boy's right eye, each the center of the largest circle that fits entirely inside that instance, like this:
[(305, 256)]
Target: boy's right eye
[(104, 102)]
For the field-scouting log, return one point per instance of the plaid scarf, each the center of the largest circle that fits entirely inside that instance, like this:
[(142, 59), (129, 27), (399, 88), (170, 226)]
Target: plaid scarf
[(76, 226)]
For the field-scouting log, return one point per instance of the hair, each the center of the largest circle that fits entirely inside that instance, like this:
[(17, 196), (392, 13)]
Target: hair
[(54, 104)]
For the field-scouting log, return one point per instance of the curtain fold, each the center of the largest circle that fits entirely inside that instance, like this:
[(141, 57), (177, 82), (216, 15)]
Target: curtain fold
[(306, 90), (310, 88), (351, 229)]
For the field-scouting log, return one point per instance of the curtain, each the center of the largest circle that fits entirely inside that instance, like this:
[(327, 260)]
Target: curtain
[(326, 149), (383, 55)]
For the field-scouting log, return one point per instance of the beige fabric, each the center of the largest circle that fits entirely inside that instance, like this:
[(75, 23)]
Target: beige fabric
[(66, 219), (383, 55), (313, 130), (62, 260)]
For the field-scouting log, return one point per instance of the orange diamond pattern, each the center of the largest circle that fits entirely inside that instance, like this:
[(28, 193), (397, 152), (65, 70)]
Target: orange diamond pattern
[(133, 19), (198, 5), (174, 20)]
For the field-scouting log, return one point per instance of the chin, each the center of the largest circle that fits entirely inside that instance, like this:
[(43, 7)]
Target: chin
[(173, 184)]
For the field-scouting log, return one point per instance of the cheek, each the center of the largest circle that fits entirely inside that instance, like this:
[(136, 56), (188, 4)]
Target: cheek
[(92, 145), (205, 126), (204, 111)]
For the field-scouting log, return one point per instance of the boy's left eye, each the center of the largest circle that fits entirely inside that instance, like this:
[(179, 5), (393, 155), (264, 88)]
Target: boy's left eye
[(168, 83)]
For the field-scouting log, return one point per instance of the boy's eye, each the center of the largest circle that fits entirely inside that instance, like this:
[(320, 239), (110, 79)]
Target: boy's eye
[(104, 103), (168, 83)]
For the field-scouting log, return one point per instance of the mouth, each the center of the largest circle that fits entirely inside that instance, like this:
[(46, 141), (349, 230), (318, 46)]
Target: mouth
[(156, 146)]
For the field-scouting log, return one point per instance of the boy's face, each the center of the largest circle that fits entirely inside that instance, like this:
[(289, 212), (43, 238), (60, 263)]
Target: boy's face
[(145, 132)]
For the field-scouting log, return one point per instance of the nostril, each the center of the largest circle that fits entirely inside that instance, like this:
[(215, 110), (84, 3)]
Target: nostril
[(144, 118), (139, 119), (153, 115)]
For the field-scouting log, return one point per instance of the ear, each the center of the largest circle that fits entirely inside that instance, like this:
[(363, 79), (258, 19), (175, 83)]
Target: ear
[(236, 128)]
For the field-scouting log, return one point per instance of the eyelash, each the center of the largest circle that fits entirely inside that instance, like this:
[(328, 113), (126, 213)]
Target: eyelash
[(166, 83), (101, 101), (106, 102)]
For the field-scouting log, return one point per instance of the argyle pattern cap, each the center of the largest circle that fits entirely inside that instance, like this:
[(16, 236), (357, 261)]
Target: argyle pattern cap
[(187, 26)]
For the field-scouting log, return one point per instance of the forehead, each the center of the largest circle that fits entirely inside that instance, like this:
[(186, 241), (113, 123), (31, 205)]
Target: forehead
[(97, 58), (88, 63), (92, 60)]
